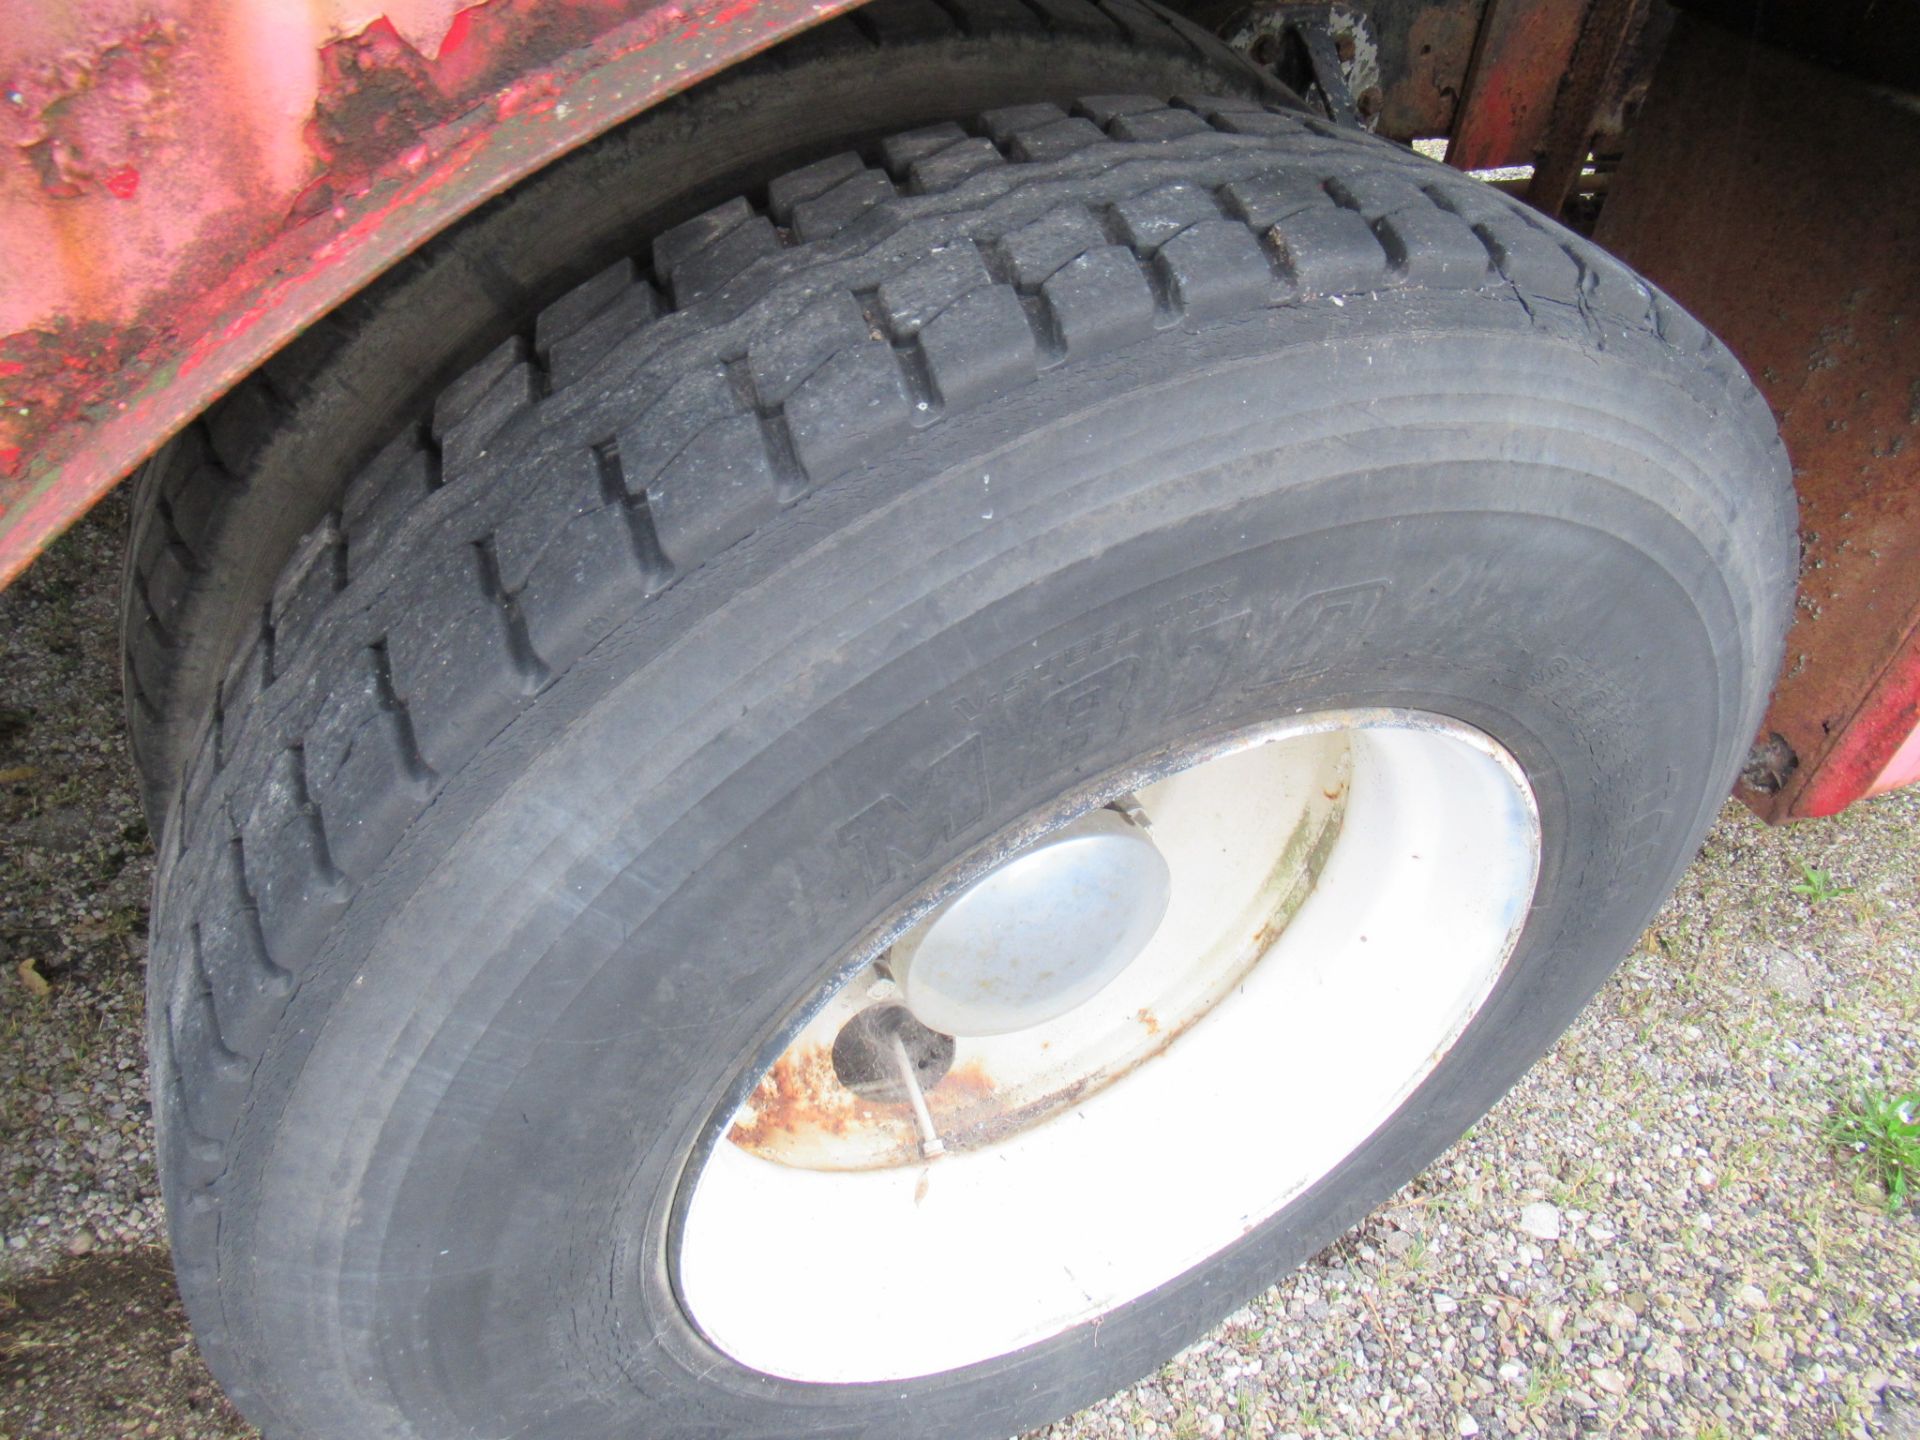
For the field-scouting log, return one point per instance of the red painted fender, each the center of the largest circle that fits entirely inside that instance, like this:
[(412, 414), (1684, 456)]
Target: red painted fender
[(185, 184)]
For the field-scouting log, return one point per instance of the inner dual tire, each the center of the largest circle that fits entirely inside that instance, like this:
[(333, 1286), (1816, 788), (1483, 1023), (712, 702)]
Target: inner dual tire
[(770, 598)]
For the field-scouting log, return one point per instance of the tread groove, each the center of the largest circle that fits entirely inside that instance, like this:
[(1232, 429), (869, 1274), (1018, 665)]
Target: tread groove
[(304, 804), (170, 528), (279, 976), (390, 702), (526, 661), (200, 988), (642, 536)]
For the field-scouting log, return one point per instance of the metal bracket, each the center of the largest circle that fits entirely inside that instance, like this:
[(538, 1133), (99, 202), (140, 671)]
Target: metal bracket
[(1325, 53), (1312, 30)]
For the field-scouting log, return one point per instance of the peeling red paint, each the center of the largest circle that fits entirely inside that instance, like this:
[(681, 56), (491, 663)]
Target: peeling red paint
[(377, 90), (177, 267)]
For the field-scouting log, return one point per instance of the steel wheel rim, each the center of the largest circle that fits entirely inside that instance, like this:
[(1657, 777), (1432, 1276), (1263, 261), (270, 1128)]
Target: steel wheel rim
[(893, 1261)]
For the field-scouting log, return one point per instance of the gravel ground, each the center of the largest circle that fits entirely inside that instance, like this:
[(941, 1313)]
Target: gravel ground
[(1649, 1236)]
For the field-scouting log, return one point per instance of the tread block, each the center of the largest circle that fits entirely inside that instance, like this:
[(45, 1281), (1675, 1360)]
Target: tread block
[(1214, 106), (1266, 200), (249, 673), (214, 1080), (1431, 247), (852, 405), (617, 292), (290, 869), (1100, 301), (459, 400), (716, 490), (465, 439), (582, 303), (456, 669), (1375, 194), (168, 576), (1268, 124), (707, 270), (1103, 110), (780, 359), (827, 215), (1150, 219), (665, 428), (570, 486), (898, 152), (1610, 286), (809, 182), (1476, 203), (925, 288), (363, 768), (895, 21), (1050, 142), (238, 424), (196, 487), (1532, 262), (1140, 24), (1035, 251), (1330, 251), (1676, 326), (588, 579), (1215, 268), (979, 346), (1002, 124), (382, 497), (946, 168), (673, 248), (1001, 17), (1158, 126), (313, 576), (247, 988), (1075, 17), (572, 356)]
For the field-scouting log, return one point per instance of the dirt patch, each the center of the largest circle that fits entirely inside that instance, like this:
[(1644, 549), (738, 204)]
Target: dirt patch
[(99, 1347)]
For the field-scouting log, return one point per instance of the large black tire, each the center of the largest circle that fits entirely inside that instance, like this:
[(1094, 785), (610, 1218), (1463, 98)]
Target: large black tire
[(217, 513), (526, 817)]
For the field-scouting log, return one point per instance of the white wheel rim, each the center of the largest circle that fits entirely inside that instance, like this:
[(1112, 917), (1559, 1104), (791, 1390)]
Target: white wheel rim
[(800, 1268)]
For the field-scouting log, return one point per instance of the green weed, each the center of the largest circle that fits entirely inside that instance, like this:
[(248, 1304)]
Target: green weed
[(1884, 1130), (1816, 886)]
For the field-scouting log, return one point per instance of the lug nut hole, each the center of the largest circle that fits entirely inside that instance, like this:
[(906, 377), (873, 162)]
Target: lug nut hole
[(863, 1058)]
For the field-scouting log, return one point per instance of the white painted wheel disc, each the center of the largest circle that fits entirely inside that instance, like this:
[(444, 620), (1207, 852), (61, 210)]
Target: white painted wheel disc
[(1318, 960)]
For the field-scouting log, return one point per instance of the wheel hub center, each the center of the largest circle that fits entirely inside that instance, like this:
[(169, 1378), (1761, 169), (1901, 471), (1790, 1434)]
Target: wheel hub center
[(1043, 932)]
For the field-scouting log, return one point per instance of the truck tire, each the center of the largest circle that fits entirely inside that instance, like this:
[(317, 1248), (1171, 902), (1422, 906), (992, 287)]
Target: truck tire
[(217, 512), (1320, 599)]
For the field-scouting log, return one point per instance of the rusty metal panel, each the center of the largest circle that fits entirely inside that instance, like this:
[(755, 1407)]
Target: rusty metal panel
[(1520, 55), (184, 184), (1781, 204), (1592, 73), (1424, 50)]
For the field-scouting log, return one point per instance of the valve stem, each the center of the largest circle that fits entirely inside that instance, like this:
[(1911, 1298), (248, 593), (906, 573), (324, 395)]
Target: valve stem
[(930, 1142)]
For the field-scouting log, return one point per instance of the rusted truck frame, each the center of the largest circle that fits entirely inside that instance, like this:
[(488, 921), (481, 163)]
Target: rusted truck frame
[(189, 183)]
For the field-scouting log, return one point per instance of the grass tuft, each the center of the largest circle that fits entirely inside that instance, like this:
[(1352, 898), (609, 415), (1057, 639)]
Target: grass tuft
[(1884, 1130)]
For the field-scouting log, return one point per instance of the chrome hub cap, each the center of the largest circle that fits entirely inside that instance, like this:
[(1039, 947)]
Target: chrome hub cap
[(1041, 933)]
